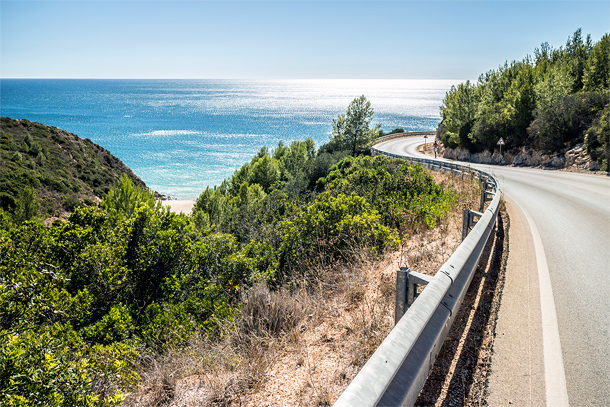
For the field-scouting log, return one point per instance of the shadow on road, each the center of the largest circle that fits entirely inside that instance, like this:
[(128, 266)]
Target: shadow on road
[(459, 376)]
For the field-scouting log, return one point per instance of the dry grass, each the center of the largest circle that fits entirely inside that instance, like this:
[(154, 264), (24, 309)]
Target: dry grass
[(301, 347)]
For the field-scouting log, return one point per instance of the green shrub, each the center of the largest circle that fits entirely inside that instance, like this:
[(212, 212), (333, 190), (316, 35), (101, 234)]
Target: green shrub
[(597, 139), (69, 203), (17, 157), (331, 229), (403, 194), (7, 201), (563, 124)]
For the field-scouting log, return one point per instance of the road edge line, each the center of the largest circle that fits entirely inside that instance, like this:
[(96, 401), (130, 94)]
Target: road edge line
[(554, 371)]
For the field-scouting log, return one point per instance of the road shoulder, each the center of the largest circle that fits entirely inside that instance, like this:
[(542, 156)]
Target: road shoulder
[(517, 376)]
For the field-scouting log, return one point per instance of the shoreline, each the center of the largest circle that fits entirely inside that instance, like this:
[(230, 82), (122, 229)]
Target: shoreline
[(180, 205)]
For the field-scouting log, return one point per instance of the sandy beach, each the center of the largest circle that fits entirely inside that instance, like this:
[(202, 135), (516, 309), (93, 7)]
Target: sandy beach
[(184, 206)]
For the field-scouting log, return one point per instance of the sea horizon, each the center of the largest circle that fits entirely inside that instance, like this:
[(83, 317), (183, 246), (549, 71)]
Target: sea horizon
[(183, 135), (234, 79)]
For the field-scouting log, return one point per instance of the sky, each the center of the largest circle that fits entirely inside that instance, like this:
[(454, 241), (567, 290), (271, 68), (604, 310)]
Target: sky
[(283, 39)]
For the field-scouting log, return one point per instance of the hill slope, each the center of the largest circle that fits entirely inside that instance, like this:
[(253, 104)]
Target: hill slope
[(61, 169)]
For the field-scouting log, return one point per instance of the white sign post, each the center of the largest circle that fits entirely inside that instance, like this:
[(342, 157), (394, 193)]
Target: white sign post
[(425, 143), (501, 143)]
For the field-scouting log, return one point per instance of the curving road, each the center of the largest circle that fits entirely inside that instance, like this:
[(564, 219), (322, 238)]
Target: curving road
[(552, 342)]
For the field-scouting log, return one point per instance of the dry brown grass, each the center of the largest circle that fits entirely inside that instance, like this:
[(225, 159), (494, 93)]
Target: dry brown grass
[(301, 347)]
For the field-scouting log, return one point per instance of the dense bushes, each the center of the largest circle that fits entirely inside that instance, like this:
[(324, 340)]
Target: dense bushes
[(404, 195), (365, 204), (597, 139), (563, 124), (330, 230), (549, 102), (89, 296)]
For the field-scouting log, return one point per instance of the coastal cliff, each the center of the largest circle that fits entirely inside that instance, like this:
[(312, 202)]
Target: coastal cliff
[(56, 169)]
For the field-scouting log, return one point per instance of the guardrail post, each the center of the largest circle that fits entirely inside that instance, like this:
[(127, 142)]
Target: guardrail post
[(411, 289), (486, 196), (402, 293), (465, 223), (483, 198), (468, 221)]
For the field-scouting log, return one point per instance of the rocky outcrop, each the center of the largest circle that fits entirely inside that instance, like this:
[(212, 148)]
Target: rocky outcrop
[(578, 158)]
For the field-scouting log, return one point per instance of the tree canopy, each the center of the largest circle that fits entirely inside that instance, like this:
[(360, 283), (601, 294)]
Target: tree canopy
[(352, 131), (549, 102)]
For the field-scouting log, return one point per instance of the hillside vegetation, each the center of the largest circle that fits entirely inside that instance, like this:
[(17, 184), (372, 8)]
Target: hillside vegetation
[(87, 306), (552, 103), (45, 171)]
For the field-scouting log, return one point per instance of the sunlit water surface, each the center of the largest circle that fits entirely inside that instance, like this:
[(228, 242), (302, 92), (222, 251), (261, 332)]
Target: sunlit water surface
[(181, 136)]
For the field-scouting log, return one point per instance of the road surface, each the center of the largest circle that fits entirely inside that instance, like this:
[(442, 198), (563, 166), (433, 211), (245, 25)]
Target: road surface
[(552, 342)]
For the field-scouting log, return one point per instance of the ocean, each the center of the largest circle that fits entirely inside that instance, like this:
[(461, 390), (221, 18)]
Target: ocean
[(181, 136)]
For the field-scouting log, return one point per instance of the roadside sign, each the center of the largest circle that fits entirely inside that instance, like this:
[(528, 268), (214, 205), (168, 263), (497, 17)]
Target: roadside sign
[(501, 143)]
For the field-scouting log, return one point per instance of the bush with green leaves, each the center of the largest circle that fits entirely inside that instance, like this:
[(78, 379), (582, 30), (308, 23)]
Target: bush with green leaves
[(597, 139), (331, 229), (48, 356), (405, 195), (81, 301), (564, 124)]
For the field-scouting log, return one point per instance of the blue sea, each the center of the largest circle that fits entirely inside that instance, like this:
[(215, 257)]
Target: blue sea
[(181, 136)]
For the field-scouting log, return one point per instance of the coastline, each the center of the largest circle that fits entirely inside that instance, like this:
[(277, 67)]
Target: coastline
[(180, 205)]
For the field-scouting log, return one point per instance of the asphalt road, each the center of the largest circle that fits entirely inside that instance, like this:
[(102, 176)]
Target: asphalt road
[(565, 224)]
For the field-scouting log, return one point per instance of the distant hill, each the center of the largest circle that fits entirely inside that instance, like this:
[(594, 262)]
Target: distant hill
[(60, 168)]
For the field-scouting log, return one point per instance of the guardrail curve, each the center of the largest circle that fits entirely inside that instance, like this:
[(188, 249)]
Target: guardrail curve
[(397, 371)]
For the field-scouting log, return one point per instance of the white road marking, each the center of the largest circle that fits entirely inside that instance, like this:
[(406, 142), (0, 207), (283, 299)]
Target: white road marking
[(554, 374)]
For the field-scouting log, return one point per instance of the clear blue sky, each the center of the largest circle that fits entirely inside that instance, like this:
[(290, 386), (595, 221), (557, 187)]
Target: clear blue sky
[(282, 39)]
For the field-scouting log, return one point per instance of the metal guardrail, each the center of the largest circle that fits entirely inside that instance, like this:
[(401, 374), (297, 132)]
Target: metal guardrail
[(397, 371), (405, 134)]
